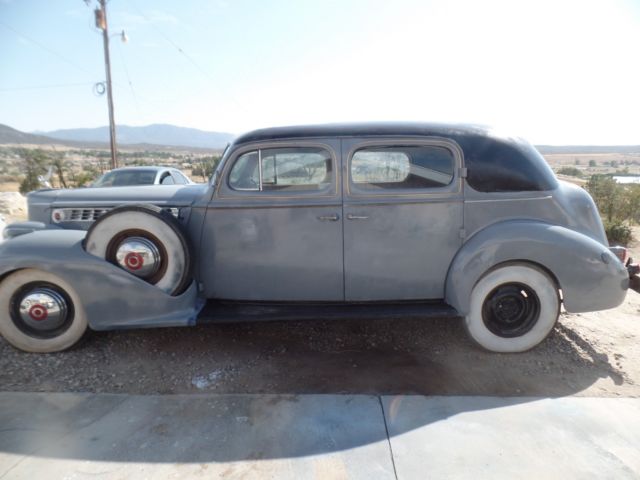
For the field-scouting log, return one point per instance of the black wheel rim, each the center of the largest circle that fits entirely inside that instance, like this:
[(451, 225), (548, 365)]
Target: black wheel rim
[(511, 310), (41, 327)]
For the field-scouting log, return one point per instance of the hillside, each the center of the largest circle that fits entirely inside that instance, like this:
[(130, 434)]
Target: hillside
[(158, 134), (13, 136)]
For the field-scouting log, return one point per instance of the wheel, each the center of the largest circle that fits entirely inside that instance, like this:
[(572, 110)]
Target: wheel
[(145, 241), (40, 312), (513, 308)]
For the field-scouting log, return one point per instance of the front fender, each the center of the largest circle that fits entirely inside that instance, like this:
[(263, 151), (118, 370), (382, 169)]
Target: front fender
[(590, 276), (111, 297), (22, 228)]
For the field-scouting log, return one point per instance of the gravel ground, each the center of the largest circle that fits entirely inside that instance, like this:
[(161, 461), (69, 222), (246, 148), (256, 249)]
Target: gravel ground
[(594, 354)]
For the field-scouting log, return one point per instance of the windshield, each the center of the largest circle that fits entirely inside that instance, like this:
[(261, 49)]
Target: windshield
[(125, 178)]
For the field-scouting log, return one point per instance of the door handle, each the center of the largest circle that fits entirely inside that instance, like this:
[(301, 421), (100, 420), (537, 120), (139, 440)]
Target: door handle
[(357, 217), (329, 218)]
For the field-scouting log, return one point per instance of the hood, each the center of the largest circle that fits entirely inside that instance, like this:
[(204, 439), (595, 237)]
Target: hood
[(174, 195)]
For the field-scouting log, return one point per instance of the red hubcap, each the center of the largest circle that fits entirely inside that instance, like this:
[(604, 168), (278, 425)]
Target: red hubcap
[(38, 312), (133, 261)]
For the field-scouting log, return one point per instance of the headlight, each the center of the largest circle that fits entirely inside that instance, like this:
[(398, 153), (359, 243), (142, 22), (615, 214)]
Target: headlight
[(57, 215)]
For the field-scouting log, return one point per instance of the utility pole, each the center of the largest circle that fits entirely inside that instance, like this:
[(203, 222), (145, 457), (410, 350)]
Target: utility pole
[(101, 23)]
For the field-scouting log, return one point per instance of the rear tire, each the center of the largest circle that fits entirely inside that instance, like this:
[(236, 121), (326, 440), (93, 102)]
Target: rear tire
[(513, 308), (147, 242), (40, 326)]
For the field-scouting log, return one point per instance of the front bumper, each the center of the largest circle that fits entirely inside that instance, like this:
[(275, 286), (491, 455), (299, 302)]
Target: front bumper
[(633, 269), (634, 276)]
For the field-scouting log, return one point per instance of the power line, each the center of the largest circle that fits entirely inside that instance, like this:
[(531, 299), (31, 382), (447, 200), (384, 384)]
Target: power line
[(45, 48), (186, 55), (126, 73)]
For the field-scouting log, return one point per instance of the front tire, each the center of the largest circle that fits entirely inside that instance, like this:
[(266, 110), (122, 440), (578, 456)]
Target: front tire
[(40, 312), (513, 308)]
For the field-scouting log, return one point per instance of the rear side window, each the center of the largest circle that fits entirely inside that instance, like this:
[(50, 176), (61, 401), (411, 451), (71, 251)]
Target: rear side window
[(283, 169), (167, 179), (500, 167), (401, 167)]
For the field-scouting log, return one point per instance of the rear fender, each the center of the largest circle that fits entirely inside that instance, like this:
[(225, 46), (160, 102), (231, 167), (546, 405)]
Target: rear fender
[(589, 275)]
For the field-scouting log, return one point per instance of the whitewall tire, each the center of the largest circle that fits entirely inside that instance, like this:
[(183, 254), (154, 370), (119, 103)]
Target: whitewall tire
[(513, 308), (40, 312), (145, 241)]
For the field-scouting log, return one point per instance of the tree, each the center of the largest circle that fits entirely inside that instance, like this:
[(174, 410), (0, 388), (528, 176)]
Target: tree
[(61, 166), (592, 163), (205, 166), (35, 164), (86, 176), (612, 199)]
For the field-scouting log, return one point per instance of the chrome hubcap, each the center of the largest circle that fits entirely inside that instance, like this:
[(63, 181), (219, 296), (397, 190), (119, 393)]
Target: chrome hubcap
[(43, 309), (138, 256)]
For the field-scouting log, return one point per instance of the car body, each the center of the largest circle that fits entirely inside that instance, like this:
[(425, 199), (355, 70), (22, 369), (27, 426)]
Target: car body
[(391, 217)]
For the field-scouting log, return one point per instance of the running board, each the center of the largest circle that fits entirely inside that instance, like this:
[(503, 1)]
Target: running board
[(227, 312)]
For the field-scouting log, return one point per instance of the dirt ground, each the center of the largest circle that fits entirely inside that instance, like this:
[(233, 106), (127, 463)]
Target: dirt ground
[(596, 354)]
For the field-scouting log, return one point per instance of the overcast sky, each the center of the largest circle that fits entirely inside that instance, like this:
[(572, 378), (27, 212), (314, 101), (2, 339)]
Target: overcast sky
[(556, 72)]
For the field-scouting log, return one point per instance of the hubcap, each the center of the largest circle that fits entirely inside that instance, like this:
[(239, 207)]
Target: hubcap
[(138, 256), (511, 310), (43, 309)]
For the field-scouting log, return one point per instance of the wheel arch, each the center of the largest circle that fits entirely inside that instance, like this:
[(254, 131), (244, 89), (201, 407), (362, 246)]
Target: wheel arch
[(580, 266)]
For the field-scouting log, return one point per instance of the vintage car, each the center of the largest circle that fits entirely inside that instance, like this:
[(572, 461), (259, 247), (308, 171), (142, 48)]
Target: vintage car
[(363, 220), (131, 176)]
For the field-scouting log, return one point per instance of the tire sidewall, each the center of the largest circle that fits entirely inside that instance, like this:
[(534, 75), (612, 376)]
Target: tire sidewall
[(177, 270), (536, 279), (16, 337)]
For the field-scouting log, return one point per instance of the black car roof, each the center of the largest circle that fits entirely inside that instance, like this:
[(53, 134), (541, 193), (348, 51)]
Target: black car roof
[(365, 129)]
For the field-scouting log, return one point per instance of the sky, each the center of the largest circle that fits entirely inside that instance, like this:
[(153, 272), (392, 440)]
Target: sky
[(555, 72)]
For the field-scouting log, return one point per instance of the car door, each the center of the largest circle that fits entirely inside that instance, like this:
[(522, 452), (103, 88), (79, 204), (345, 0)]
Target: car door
[(273, 229), (403, 217)]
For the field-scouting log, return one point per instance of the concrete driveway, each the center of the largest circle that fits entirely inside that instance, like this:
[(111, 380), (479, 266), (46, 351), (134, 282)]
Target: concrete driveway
[(66, 435)]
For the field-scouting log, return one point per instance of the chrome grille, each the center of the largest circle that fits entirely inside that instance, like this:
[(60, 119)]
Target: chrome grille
[(83, 214), (92, 214)]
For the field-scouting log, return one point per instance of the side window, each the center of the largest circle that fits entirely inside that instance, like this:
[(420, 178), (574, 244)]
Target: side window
[(167, 179), (499, 167), (291, 169), (178, 178), (401, 167)]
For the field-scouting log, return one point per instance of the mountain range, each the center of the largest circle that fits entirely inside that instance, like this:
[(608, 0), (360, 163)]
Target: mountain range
[(159, 135)]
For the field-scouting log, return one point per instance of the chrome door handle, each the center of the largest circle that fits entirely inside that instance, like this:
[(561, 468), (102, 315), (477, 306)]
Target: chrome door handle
[(357, 217), (329, 218)]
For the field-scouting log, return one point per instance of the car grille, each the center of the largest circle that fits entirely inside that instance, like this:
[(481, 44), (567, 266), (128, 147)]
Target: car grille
[(92, 214)]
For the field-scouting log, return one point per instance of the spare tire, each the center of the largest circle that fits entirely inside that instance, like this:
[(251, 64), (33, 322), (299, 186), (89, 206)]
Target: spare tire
[(147, 242)]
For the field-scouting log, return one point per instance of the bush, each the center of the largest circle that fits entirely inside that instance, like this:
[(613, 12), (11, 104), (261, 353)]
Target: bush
[(571, 171), (613, 200), (618, 233)]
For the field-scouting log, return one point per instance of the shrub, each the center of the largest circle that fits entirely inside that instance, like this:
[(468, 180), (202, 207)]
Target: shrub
[(571, 171), (618, 233)]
